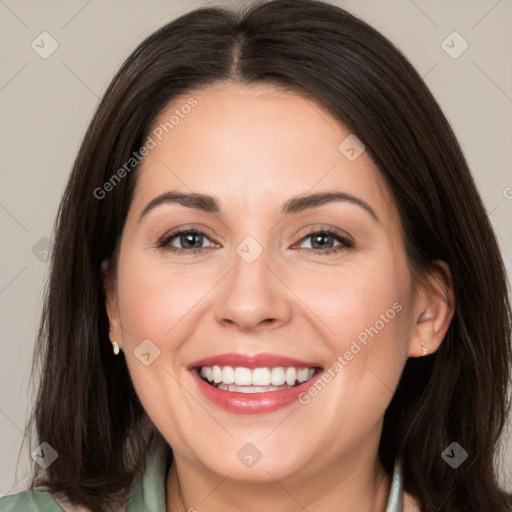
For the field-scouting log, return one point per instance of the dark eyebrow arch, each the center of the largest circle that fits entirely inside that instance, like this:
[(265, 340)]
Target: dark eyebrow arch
[(194, 200), (304, 202), (295, 204)]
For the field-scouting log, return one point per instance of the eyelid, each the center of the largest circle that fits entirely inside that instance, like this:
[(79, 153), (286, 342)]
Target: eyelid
[(323, 228), (199, 228)]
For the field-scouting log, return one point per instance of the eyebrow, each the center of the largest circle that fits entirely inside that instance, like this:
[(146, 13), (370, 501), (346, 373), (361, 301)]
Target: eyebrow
[(293, 205)]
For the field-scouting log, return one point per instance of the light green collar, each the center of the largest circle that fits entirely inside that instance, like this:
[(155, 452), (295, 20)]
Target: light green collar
[(395, 501), (148, 490)]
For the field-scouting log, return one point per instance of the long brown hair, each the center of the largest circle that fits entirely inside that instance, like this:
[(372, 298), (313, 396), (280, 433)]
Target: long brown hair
[(87, 408)]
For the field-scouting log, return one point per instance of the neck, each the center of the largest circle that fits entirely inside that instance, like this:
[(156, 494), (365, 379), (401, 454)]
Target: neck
[(358, 485)]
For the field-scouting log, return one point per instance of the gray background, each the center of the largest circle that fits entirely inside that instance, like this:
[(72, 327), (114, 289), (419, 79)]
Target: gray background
[(46, 104)]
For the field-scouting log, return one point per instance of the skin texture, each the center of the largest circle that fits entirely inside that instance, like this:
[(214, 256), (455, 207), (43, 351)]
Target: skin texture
[(252, 148)]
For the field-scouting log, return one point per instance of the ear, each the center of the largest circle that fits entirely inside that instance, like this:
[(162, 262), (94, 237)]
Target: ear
[(434, 306), (111, 303)]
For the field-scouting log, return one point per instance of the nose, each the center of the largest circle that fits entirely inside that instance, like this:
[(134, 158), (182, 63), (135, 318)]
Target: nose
[(254, 296)]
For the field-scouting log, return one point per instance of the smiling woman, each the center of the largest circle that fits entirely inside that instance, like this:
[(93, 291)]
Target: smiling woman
[(269, 274)]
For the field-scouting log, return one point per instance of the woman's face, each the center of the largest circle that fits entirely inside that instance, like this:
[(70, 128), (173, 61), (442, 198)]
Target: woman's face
[(249, 288)]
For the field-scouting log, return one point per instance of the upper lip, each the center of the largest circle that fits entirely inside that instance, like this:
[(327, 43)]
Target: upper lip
[(263, 360)]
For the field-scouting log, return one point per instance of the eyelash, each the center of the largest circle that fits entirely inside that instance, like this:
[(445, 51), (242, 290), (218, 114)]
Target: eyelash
[(346, 243)]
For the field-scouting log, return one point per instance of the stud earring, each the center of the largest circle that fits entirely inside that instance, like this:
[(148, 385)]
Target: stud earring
[(115, 348), (423, 349)]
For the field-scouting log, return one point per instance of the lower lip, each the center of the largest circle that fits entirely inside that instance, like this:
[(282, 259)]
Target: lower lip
[(252, 403)]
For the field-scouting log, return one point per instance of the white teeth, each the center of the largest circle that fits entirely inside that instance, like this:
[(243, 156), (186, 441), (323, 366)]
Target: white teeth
[(277, 376), (251, 389), (243, 376), (261, 377), (257, 380), (228, 375), (291, 376), (217, 374), (302, 375), (207, 373)]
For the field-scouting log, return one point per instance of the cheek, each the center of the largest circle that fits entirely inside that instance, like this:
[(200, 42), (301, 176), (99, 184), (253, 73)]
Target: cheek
[(156, 304), (363, 312), (154, 299), (357, 300)]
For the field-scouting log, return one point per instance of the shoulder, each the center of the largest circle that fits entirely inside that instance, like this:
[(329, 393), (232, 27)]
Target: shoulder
[(29, 501), (38, 501)]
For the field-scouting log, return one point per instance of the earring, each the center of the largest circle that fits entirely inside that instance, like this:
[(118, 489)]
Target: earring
[(115, 347), (423, 349)]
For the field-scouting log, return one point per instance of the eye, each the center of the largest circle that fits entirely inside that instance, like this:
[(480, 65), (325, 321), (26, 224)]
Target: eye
[(192, 240), (189, 240), (322, 242)]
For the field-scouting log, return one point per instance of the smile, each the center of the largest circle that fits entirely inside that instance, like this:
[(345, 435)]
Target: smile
[(257, 380), (253, 384)]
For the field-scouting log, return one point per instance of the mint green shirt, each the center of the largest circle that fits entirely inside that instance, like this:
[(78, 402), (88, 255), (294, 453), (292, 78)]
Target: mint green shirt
[(148, 492)]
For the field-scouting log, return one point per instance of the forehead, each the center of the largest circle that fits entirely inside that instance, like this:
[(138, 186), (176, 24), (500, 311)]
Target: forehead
[(253, 145)]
